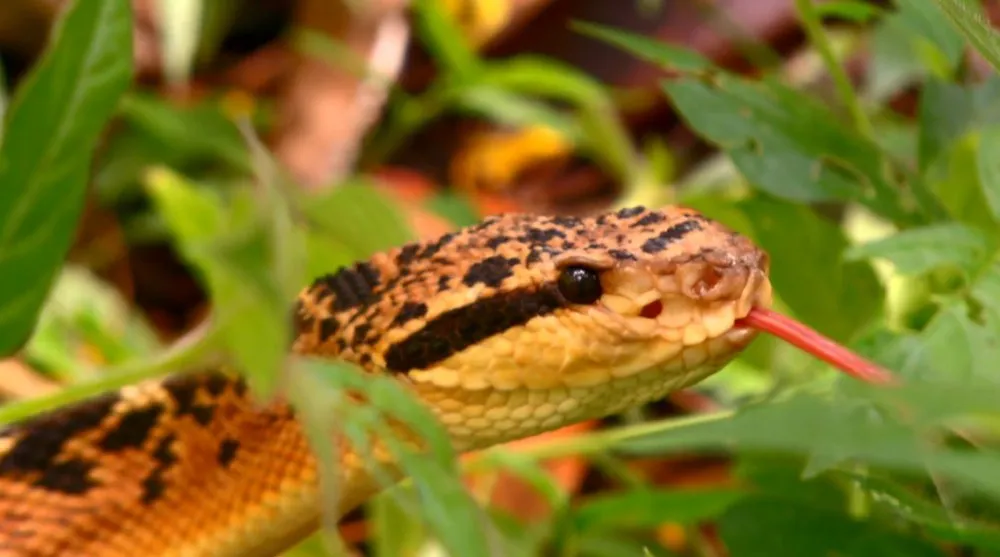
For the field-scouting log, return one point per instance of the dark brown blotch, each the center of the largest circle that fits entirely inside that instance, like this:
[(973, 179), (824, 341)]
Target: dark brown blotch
[(227, 452), (444, 283), (216, 383), (432, 248), (154, 484), (42, 437), (164, 452), (328, 326), (240, 386), (649, 220), (497, 241), (490, 271), (153, 487), (182, 390), (69, 477), (360, 336), (132, 429), (351, 286), (630, 212), (408, 312), (669, 236), (541, 235), (203, 413), (407, 254), (567, 221)]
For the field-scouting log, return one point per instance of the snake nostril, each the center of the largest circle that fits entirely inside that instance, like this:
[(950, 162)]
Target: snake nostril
[(709, 279), (652, 310)]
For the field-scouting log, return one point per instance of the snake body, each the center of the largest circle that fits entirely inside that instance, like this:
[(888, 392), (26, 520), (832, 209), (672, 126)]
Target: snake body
[(504, 329)]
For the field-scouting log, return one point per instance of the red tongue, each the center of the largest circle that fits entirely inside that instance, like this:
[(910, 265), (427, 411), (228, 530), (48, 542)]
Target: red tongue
[(800, 336)]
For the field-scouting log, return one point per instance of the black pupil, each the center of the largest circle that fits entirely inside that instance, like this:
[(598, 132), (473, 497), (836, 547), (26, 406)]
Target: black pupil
[(580, 285)]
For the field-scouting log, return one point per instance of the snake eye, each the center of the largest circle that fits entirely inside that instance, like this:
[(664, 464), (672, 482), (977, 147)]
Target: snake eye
[(580, 285)]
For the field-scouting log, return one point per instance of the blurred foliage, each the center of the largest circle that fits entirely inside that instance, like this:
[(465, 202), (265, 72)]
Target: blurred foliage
[(882, 231)]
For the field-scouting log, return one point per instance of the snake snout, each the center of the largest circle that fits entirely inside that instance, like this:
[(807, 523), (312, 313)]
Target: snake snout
[(706, 281), (723, 275)]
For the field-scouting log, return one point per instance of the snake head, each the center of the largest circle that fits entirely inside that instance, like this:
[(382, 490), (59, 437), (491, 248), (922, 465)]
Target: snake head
[(523, 323), (671, 306)]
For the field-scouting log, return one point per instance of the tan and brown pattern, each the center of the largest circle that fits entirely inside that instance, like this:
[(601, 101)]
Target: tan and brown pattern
[(514, 326)]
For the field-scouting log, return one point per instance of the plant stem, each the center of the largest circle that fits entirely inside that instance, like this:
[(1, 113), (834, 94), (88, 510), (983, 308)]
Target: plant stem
[(600, 441), (814, 30), (191, 348)]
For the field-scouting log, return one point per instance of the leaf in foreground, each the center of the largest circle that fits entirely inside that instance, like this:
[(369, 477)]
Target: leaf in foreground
[(765, 526), (235, 257), (444, 504), (972, 22), (53, 124), (810, 424), (919, 250)]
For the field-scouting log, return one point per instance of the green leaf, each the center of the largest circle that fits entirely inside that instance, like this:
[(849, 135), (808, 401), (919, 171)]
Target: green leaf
[(446, 506), (195, 215), (444, 40), (954, 178), (971, 21), (948, 111), (457, 209), (938, 46), (955, 345), (602, 134), (892, 499), (358, 216), (787, 144), (748, 529), (853, 10), (394, 530), (646, 508), (919, 250), (236, 256), (515, 110), (986, 289), (988, 165), (83, 312), (895, 64), (199, 129), (53, 124), (659, 52), (782, 476), (806, 423)]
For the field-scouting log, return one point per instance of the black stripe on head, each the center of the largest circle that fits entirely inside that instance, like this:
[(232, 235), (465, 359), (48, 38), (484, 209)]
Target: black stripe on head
[(460, 328)]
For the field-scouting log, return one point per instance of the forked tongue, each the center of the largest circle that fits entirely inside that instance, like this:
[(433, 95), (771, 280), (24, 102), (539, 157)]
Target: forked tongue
[(801, 336)]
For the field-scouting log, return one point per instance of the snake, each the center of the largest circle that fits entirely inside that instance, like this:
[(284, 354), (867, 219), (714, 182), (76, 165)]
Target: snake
[(507, 328)]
